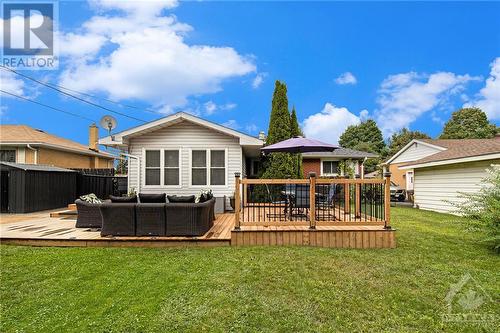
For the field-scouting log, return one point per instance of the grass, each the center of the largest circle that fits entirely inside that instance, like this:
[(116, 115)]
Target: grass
[(284, 289)]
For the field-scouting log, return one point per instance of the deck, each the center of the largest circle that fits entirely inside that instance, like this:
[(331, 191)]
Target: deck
[(43, 230)]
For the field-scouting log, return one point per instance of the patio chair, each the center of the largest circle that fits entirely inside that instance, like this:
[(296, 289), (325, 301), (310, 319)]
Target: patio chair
[(325, 201), (282, 201), (89, 215), (189, 219), (300, 201), (118, 219), (150, 219)]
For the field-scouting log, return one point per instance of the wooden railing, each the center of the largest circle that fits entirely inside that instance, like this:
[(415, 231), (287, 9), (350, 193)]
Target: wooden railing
[(313, 201)]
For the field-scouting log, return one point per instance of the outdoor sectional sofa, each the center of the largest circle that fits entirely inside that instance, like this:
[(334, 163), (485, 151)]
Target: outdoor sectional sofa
[(147, 219)]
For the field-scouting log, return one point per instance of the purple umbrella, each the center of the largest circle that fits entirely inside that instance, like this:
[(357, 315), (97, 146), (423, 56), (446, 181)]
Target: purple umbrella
[(298, 144)]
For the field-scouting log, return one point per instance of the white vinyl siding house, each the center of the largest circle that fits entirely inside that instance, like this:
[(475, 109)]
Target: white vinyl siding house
[(414, 151), (183, 154), (436, 188)]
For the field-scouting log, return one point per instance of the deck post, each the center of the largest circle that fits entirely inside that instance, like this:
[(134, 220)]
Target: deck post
[(347, 198), (312, 200), (387, 200), (237, 200), (357, 205)]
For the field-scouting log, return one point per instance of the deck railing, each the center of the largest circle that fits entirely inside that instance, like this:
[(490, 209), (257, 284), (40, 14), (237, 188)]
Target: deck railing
[(313, 201)]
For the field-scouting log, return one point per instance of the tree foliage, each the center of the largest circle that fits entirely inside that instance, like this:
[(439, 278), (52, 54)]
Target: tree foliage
[(484, 206), (294, 124), (365, 136), (400, 139), (468, 123), (279, 165)]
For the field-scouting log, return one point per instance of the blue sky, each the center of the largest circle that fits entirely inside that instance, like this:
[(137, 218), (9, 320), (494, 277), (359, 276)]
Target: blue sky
[(402, 64)]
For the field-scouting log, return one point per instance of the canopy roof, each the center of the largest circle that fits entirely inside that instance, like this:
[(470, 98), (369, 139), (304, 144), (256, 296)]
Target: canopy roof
[(299, 145)]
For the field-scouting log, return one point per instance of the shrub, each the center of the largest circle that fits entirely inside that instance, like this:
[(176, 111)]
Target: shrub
[(484, 206)]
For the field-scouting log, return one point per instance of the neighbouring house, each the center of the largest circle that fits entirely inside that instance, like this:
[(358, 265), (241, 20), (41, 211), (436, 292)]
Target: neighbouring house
[(26, 145), (182, 154), (438, 170), (326, 164)]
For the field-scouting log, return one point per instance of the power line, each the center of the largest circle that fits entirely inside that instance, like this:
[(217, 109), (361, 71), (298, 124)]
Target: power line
[(71, 95), (47, 106)]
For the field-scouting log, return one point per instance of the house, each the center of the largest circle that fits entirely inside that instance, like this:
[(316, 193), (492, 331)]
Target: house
[(183, 154), (438, 170), (327, 163), (26, 145)]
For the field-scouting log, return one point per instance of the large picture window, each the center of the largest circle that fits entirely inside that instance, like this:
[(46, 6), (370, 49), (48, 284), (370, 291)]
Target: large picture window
[(153, 167), (199, 167), (171, 167), (208, 167)]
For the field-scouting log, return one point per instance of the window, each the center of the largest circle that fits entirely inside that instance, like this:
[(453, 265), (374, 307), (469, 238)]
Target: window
[(7, 155), (171, 167), (217, 167), (208, 167), (330, 167), (153, 167), (199, 167)]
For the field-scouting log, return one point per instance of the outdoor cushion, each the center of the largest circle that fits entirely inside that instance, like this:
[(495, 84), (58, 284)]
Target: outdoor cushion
[(90, 198), (131, 199), (152, 198), (181, 199)]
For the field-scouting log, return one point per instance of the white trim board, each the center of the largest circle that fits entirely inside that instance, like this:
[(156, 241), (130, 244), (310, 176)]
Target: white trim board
[(452, 161), (402, 150)]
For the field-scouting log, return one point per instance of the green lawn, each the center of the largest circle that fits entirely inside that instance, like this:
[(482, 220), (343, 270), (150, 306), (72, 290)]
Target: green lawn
[(286, 289)]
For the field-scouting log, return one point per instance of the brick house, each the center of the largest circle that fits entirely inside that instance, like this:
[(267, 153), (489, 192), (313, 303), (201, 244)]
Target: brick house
[(27, 145)]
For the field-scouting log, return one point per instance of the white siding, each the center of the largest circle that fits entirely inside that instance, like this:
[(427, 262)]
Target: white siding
[(434, 186), (185, 136), (415, 152)]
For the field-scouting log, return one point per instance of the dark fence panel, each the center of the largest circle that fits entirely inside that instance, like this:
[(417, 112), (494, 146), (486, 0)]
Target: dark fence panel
[(100, 172), (101, 186)]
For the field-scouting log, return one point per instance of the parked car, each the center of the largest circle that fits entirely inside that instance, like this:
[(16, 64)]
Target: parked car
[(397, 193)]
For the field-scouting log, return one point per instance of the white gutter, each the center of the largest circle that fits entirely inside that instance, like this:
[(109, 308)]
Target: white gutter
[(452, 161), (61, 148), (138, 171), (36, 152)]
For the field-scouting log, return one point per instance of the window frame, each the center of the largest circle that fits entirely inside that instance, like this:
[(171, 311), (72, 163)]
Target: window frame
[(11, 150), (162, 168), (208, 167), (323, 173)]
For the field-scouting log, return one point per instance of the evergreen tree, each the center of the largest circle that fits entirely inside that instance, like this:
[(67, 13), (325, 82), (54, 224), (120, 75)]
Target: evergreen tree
[(279, 165), (468, 123), (296, 131)]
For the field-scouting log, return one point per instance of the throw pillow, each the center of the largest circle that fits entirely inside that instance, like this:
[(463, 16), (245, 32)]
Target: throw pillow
[(91, 198), (131, 199), (181, 199), (152, 198)]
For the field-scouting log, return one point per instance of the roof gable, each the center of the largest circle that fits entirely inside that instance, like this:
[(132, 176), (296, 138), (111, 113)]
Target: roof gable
[(427, 147), (122, 138)]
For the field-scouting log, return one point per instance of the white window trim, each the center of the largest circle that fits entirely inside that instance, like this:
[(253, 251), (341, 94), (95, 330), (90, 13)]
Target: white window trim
[(162, 168), (226, 167), (321, 167)]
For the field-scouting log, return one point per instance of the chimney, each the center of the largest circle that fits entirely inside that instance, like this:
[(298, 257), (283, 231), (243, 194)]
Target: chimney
[(93, 137), (262, 136)]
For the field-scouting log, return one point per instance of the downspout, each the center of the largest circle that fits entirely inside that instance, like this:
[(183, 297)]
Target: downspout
[(35, 150), (363, 168), (138, 171)]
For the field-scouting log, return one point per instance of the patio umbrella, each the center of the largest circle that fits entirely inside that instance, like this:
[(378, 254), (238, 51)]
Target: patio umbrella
[(298, 144)]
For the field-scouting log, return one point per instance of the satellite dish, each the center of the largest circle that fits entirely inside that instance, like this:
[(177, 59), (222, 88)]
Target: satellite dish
[(108, 122)]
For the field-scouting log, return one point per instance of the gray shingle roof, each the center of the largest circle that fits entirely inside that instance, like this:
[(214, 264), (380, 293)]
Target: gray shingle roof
[(35, 167), (342, 152)]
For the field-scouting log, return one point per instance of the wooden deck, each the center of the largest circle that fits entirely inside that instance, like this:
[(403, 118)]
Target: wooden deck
[(42, 230), (49, 231)]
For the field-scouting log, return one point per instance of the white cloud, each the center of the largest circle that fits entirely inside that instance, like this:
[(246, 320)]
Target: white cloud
[(329, 124), (11, 83), (142, 55), (251, 128), (210, 107), (258, 80), (489, 97), (364, 115), (405, 97), (346, 78), (231, 123)]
